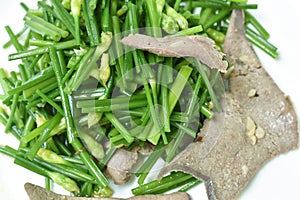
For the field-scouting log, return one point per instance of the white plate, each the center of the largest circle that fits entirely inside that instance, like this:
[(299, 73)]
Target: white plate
[(278, 180)]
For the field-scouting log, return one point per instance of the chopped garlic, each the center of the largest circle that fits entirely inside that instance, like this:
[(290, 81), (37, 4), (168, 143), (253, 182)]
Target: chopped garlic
[(252, 93), (260, 133), (250, 127), (252, 139)]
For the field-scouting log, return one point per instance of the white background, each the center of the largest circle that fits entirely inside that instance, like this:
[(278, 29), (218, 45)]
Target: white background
[(278, 180)]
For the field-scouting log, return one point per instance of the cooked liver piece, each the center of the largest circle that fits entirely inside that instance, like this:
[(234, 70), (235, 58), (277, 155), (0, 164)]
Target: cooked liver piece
[(180, 46), (228, 156), (172, 196), (38, 193), (120, 164)]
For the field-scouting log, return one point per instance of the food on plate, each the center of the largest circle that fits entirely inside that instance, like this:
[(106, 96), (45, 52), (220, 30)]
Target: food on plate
[(105, 90)]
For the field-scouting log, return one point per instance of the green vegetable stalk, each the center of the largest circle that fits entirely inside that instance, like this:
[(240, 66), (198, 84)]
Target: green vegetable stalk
[(65, 182), (76, 10), (88, 62), (50, 156), (104, 71), (182, 22), (174, 95), (169, 24), (93, 146)]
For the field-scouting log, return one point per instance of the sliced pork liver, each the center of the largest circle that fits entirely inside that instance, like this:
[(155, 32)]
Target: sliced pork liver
[(257, 123), (180, 46), (38, 193), (119, 166)]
